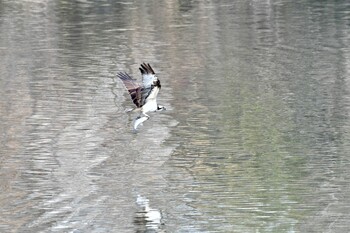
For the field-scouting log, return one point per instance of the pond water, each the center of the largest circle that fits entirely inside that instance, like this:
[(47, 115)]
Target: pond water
[(255, 138)]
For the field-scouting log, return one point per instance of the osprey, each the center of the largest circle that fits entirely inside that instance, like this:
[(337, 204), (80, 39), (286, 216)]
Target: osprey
[(143, 95)]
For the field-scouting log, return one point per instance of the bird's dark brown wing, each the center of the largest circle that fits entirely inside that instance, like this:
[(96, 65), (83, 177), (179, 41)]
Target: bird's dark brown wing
[(135, 90), (146, 69)]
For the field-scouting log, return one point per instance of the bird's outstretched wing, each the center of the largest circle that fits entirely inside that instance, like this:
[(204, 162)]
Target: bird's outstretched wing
[(138, 93), (134, 88), (148, 75)]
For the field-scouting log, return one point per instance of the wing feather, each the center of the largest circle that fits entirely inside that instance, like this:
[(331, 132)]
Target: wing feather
[(134, 88), (148, 75)]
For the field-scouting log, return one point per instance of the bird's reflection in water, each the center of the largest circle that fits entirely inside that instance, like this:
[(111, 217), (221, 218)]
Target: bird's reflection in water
[(147, 219)]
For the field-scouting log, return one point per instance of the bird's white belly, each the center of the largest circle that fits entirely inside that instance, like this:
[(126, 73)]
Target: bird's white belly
[(150, 106)]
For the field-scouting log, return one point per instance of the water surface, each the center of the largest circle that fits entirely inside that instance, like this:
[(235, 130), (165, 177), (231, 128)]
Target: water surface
[(255, 137)]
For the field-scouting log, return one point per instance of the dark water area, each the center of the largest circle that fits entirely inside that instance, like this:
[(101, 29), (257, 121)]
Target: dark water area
[(255, 138)]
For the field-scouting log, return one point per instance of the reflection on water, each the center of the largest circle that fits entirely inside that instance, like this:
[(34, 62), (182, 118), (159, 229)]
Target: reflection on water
[(147, 217), (255, 137)]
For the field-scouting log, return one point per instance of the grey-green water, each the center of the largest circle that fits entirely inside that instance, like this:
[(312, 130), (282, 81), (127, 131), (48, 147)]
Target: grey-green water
[(256, 136)]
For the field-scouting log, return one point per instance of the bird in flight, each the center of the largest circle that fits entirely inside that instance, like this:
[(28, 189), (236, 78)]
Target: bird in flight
[(144, 95)]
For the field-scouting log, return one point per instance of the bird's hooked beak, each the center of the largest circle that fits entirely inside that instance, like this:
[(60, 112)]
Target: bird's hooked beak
[(161, 108)]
